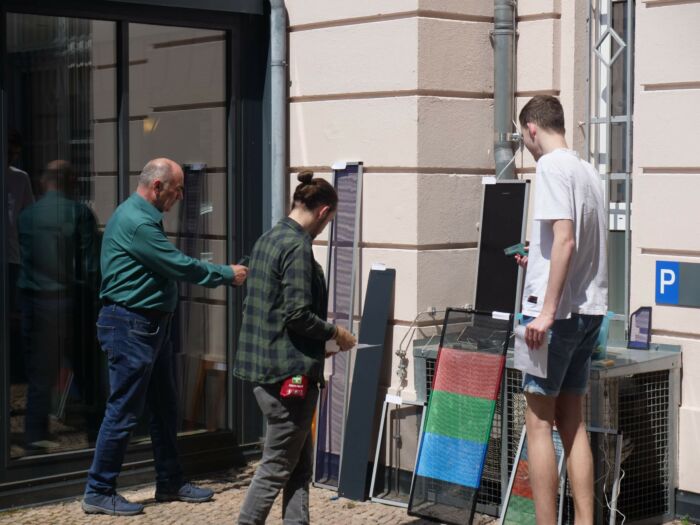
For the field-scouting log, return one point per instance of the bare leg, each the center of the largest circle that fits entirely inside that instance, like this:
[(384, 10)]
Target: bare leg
[(579, 461), (539, 420)]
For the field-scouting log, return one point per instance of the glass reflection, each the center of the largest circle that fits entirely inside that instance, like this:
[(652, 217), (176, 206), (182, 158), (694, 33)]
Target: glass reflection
[(57, 278), (61, 189), (60, 177), (177, 105)]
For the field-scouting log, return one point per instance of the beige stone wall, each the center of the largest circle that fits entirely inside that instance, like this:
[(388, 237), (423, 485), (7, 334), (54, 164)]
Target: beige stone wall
[(665, 221), (406, 87)]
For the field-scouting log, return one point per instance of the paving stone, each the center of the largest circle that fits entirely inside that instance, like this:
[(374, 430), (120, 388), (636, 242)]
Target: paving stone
[(230, 489)]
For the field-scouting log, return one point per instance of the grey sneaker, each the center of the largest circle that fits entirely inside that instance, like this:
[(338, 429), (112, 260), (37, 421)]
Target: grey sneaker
[(187, 492), (112, 504)]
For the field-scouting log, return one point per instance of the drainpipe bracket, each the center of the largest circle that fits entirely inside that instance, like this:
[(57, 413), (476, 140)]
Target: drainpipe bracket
[(508, 137)]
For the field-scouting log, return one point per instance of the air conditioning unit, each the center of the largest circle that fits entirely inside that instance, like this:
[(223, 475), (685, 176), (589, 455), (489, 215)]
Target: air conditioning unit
[(639, 396)]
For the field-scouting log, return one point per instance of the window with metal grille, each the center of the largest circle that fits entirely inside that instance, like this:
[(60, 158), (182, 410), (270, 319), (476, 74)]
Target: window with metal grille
[(609, 137)]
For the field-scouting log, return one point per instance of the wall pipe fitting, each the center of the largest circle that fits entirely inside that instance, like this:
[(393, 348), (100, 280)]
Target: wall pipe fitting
[(503, 37), (278, 109)]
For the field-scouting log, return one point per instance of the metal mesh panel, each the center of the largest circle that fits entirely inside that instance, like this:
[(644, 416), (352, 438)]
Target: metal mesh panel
[(643, 417), (490, 490), (491, 481), (638, 406), (460, 420), (341, 268), (515, 401)]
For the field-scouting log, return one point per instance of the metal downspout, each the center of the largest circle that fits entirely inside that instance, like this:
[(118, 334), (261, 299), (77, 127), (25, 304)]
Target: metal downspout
[(278, 109), (503, 36)]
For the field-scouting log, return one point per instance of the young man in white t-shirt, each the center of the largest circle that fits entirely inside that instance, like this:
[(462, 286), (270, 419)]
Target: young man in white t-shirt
[(565, 293)]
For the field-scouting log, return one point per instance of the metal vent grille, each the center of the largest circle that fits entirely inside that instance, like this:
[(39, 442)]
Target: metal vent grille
[(639, 405), (429, 376), (642, 413)]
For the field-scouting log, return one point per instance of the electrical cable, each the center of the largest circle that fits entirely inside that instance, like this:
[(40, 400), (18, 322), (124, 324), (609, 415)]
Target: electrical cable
[(402, 351), (608, 468)]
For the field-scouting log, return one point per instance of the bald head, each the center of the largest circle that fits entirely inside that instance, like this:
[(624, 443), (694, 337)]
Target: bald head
[(58, 175), (158, 169), (161, 183)]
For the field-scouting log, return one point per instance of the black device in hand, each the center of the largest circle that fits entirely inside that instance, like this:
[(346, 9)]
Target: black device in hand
[(244, 260)]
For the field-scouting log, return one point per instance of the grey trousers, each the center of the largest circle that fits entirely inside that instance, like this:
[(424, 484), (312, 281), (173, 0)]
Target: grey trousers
[(287, 460)]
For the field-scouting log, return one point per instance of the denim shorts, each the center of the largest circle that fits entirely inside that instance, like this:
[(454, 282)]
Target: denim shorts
[(569, 352)]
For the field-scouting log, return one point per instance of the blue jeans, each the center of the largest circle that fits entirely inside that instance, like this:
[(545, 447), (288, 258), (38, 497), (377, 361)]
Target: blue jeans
[(141, 371), (568, 356)]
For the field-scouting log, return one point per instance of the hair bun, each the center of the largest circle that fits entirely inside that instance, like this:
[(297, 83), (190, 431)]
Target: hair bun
[(305, 177)]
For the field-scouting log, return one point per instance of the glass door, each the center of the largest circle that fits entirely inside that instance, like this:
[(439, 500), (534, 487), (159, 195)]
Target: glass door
[(60, 189), (62, 183), (177, 108), (87, 103)]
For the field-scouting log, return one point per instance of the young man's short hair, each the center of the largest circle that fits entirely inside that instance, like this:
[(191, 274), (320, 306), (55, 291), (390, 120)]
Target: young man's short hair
[(545, 111)]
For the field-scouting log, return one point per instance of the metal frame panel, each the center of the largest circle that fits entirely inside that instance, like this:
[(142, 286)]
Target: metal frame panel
[(122, 57), (254, 7), (385, 410), (330, 272), (211, 14), (456, 489), (4, 332), (361, 406), (248, 155), (523, 233), (604, 411)]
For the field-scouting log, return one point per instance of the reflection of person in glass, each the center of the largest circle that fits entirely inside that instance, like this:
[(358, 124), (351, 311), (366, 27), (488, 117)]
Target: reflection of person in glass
[(57, 246), (19, 195), (140, 270)]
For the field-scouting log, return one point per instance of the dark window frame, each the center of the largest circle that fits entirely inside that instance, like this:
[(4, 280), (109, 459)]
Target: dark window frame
[(61, 475)]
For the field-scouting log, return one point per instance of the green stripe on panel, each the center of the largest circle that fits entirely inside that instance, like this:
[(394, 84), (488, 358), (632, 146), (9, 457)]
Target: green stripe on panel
[(461, 417)]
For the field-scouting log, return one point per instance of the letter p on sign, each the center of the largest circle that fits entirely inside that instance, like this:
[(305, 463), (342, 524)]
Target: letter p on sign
[(667, 282)]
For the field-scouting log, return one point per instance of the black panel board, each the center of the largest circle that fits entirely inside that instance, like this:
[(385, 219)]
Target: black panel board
[(501, 226), (355, 467)]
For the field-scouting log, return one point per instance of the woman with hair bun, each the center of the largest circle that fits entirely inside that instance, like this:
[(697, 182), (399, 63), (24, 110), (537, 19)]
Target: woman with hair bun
[(282, 349)]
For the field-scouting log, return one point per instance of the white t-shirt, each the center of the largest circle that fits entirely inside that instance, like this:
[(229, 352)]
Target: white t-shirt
[(568, 188)]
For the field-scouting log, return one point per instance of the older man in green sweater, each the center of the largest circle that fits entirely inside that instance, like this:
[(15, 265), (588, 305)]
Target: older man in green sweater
[(140, 270)]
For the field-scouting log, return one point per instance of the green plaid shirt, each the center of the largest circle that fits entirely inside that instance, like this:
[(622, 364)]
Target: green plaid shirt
[(284, 326)]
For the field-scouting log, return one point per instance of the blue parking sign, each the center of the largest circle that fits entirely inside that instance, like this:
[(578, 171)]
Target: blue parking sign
[(667, 282)]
